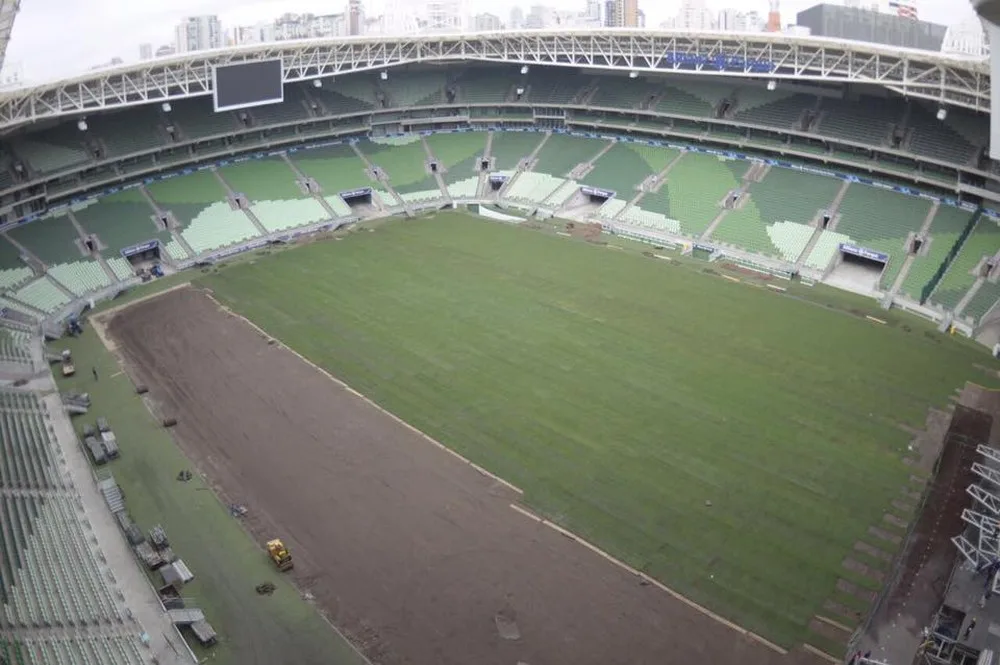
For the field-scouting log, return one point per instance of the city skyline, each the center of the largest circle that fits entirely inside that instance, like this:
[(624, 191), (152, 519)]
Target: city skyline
[(92, 34)]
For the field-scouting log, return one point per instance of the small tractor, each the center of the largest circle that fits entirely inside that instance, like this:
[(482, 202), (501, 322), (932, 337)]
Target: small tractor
[(279, 554), (67, 364)]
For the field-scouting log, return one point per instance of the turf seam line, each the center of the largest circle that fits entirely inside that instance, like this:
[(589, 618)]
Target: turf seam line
[(822, 654), (354, 392), (835, 624), (638, 573)]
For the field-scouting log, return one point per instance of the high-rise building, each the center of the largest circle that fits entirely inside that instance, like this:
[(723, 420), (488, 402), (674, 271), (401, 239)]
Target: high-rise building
[(594, 10), (694, 15), (774, 17), (198, 33), (516, 21), (622, 14), (355, 17), (904, 8), (966, 38), (737, 20), (444, 16), (486, 23), (870, 25), (145, 51)]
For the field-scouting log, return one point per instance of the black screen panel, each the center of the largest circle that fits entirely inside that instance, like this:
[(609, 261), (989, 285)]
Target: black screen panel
[(247, 84)]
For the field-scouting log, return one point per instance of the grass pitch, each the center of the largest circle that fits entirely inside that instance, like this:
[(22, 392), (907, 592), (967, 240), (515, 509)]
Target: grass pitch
[(623, 393)]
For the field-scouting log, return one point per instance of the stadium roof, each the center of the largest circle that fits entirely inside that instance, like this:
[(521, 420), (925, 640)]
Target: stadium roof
[(8, 11), (946, 80)]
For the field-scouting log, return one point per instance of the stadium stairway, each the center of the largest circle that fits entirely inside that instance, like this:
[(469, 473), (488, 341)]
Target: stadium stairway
[(437, 174), (179, 244), (246, 211), (910, 257), (396, 199), (95, 255), (315, 193)]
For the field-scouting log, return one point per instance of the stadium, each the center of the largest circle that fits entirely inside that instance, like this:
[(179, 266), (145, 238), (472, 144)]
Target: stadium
[(609, 346)]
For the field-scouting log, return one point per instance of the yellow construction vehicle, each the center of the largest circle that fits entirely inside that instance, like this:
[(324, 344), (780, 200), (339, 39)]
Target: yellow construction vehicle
[(279, 554)]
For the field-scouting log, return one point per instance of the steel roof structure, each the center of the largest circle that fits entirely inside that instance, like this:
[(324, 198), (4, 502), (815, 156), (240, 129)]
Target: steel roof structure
[(946, 80), (8, 12)]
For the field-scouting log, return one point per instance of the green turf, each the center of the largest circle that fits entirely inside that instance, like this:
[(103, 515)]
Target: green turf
[(226, 562), (622, 394)]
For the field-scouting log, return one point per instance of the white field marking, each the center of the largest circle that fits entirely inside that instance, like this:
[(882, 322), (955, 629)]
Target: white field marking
[(354, 392), (116, 374), (873, 319), (661, 256), (563, 233), (619, 248), (731, 278), (836, 624), (822, 654), (621, 564), (777, 288)]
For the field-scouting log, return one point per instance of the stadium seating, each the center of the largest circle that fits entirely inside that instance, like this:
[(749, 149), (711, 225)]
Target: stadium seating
[(412, 88), (935, 139), (186, 196), (826, 248), (982, 243), (12, 270), (761, 106), (982, 301), (42, 294), (287, 214), (867, 121), (562, 194), (268, 179), (692, 192), (775, 221), (175, 250), (463, 189), (129, 132), (81, 277), (120, 220), (562, 153), (881, 219), (293, 109), (52, 239), (974, 127), (121, 267), (218, 226), (335, 168), (15, 347), (98, 650), (457, 153), (647, 219), (509, 148), (624, 93), (533, 187), (611, 209), (337, 204), (479, 86), (58, 148), (945, 229), (623, 168), (693, 98), (196, 118), (552, 87), (405, 165)]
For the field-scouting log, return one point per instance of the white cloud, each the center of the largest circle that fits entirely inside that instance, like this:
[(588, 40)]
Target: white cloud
[(55, 38)]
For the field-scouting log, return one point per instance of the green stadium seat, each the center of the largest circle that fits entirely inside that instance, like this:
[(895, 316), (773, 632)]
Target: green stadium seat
[(187, 195), (405, 164), (509, 148), (43, 295), (827, 247), (197, 119), (533, 187), (81, 277), (485, 87), (344, 96), (464, 189), (121, 267), (867, 122), (933, 138), (562, 153), (694, 98), (295, 108), (763, 107), (547, 87), (338, 205), (696, 185), (128, 132), (405, 89), (282, 215), (651, 220), (268, 178), (623, 168), (624, 93), (982, 243), (335, 168), (59, 148), (611, 209), (15, 347), (13, 271), (52, 239), (218, 226), (982, 302), (945, 229), (120, 220)]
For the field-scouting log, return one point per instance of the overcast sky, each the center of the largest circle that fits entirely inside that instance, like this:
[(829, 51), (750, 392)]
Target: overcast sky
[(54, 38)]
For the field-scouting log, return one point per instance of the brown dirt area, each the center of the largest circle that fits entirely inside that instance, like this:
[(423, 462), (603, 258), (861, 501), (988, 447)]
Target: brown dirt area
[(415, 555)]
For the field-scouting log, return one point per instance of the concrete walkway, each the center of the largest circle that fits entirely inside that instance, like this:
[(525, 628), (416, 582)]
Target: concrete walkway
[(165, 645)]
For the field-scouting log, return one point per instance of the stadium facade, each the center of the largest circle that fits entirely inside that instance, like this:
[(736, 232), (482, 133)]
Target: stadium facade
[(864, 24)]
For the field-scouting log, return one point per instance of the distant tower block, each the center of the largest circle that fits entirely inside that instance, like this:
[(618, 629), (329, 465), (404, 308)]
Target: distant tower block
[(355, 17), (774, 17)]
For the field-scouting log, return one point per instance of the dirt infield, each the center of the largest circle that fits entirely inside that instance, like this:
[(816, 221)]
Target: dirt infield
[(413, 554)]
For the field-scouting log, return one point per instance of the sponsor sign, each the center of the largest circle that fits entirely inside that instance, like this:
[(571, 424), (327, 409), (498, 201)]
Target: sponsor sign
[(140, 248), (704, 248), (498, 177), (354, 193), (593, 191), (863, 252)]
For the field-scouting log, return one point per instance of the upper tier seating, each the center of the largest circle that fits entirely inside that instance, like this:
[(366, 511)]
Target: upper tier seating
[(552, 87), (485, 86), (945, 229), (562, 153), (933, 138), (411, 88), (868, 121), (120, 220), (293, 109), (509, 148), (129, 132), (58, 148), (624, 93), (196, 119), (335, 168), (693, 98), (346, 96), (762, 107), (983, 243)]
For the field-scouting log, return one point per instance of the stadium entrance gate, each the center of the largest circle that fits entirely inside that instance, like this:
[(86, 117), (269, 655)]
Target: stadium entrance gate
[(858, 269)]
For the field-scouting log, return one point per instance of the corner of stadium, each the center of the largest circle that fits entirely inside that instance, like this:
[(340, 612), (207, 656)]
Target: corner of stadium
[(609, 346)]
